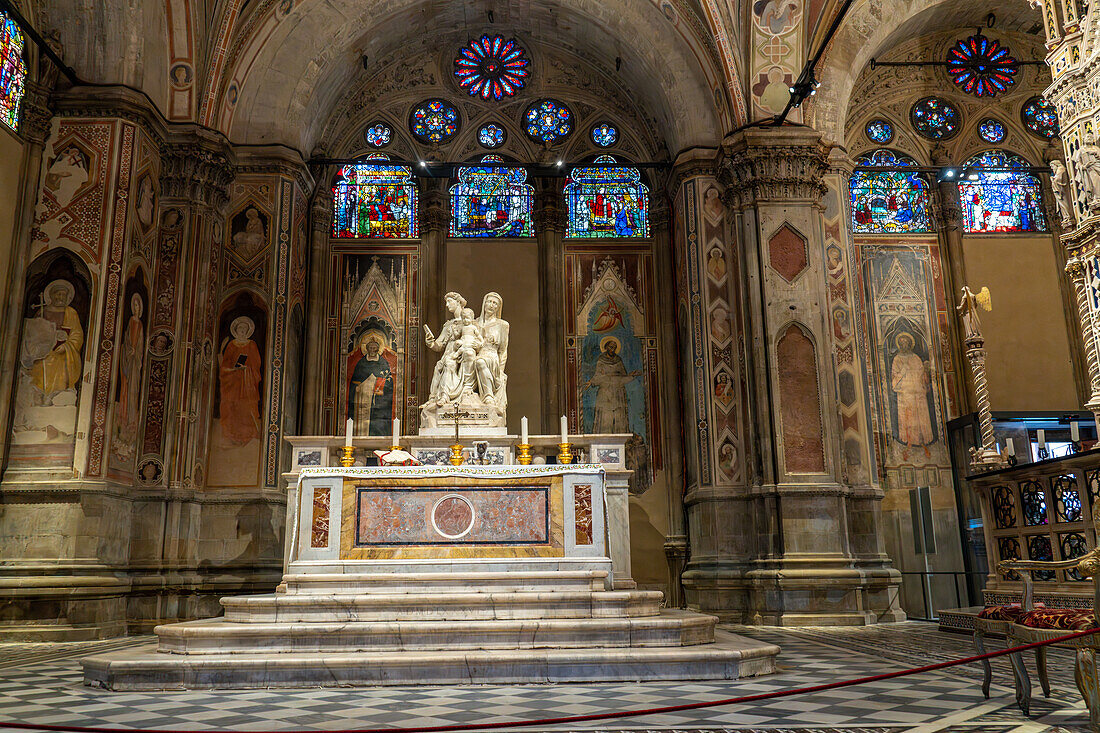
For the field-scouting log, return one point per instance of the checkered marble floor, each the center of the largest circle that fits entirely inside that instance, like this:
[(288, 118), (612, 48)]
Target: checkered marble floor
[(41, 683)]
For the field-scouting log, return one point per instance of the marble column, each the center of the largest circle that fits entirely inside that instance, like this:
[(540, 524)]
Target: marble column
[(807, 566), (676, 544), (434, 227), (549, 220)]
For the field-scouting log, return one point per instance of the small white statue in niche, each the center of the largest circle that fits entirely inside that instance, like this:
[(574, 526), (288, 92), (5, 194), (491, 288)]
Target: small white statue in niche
[(1087, 159), (469, 376), (1063, 194)]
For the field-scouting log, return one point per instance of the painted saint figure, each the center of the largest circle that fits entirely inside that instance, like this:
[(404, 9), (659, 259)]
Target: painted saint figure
[(609, 379), (60, 368), (909, 378), (127, 410), (370, 392), (241, 376)]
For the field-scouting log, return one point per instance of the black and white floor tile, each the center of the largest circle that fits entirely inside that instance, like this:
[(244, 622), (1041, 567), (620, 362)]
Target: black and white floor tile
[(41, 683)]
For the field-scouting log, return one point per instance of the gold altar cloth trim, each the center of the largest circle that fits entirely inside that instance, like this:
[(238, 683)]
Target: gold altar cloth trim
[(455, 479), (426, 471)]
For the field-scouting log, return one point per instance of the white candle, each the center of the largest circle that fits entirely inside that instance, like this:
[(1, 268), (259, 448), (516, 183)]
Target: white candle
[(396, 432), (347, 435), (564, 430), (1074, 431), (523, 430), (1041, 436), (1010, 448)]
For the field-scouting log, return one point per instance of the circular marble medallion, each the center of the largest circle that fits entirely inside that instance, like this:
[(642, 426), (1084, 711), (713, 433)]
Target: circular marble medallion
[(453, 516)]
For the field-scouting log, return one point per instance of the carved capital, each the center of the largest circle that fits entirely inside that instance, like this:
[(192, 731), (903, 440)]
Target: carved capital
[(433, 211), (773, 166), (320, 213), (36, 113), (659, 214), (199, 170), (549, 214), (1075, 268)]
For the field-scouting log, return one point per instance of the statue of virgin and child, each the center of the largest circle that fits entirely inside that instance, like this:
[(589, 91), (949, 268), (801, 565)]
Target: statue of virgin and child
[(470, 374)]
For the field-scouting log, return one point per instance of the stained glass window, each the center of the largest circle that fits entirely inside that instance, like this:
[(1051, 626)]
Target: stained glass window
[(491, 200), (1040, 118), (548, 120), (379, 135), (991, 131), (374, 200), (13, 71), (491, 67), (605, 135), (491, 136), (888, 201), (606, 201), (1000, 198), (935, 118), (434, 121), (880, 131), (981, 66)]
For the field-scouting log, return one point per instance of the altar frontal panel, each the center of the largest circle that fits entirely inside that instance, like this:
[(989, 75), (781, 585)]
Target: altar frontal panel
[(449, 517)]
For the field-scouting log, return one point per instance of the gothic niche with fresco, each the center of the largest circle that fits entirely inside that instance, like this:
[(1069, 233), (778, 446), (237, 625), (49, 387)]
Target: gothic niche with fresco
[(612, 356), (237, 427), (373, 335), (131, 370), (51, 360)]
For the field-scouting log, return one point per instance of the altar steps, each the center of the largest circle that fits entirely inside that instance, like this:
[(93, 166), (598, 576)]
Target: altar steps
[(432, 606), (446, 582), (730, 657), (220, 636)]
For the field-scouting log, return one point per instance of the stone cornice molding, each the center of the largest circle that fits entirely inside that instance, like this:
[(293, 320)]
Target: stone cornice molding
[(116, 102), (765, 165), (275, 160), (693, 163)]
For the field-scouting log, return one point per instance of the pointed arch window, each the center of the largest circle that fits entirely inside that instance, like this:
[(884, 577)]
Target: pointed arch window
[(606, 200), (491, 200), (887, 197), (13, 71), (999, 194), (374, 199)]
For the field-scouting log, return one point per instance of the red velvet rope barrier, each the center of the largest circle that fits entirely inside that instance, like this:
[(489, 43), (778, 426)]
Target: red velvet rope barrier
[(593, 716)]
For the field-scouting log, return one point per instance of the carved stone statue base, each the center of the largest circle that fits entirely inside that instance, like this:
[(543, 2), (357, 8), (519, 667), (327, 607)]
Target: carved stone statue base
[(474, 418)]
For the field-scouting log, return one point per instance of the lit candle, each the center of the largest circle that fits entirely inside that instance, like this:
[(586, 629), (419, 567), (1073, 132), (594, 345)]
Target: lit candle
[(564, 430), (1041, 436), (1074, 431), (396, 432), (347, 435), (1010, 448), (523, 430)]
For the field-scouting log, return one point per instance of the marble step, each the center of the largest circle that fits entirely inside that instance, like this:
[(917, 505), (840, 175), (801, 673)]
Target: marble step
[(320, 608), (509, 582), (218, 636), (730, 657)]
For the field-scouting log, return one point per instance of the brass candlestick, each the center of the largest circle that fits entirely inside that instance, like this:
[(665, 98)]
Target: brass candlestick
[(395, 447), (524, 457), (348, 459), (456, 458), (565, 455)]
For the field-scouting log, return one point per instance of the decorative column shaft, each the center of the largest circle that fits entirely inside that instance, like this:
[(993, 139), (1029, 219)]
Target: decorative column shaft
[(549, 220), (316, 416)]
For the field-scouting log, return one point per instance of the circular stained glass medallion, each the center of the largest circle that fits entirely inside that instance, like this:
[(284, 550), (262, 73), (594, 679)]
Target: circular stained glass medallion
[(880, 131), (547, 121), (491, 136), (981, 66), (434, 121), (1040, 118), (379, 135), (605, 135), (935, 118), (991, 131), (491, 67)]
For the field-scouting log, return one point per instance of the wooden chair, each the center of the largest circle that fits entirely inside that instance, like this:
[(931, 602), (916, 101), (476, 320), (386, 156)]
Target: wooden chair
[(994, 621), (1049, 623)]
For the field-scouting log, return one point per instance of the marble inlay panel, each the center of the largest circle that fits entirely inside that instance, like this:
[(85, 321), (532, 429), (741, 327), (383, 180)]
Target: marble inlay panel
[(582, 513), (452, 515), (322, 497)]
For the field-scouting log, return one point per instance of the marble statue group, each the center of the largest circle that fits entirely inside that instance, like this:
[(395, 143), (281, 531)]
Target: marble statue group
[(470, 374)]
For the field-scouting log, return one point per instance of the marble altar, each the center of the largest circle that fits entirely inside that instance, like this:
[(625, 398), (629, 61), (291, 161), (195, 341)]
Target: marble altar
[(442, 575)]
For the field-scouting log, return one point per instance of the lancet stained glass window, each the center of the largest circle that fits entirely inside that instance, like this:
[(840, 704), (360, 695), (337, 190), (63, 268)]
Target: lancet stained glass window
[(888, 201), (1001, 200), (491, 200), (13, 71), (606, 202), (374, 200)]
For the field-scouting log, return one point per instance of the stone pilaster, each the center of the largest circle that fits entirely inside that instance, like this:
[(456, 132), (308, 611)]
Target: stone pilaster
[(549, 220), (316, 416), (434, 226), (806, 568)]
